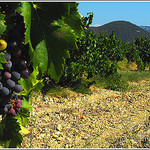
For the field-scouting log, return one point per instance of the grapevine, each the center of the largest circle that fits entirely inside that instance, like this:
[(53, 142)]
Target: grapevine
[(28, 51)]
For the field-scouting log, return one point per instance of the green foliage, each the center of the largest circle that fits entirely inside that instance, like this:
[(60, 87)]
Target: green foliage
[(143, 47), (9, 135), (45, 28), (139, 51), (114, 82), (2, 23), (96, 54), (2, 59), (132, 53), (87, 21)]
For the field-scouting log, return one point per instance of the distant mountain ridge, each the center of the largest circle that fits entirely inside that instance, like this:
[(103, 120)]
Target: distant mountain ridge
[(124, 30), (147, 28)]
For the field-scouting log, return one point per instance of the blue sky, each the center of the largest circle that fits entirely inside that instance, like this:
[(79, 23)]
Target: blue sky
[(104, 12)]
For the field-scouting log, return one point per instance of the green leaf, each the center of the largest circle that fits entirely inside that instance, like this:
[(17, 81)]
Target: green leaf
[(16, 140), (1, 67), (26, 13), (23, 116), (51, 37), (74, 19), (32, 83), (26, 105), (24, 130), (2, 59), (10, 136), (2, 23)]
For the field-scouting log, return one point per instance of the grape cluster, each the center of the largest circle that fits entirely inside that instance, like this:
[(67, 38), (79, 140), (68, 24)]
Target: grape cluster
[(15, 68), (9, 87)]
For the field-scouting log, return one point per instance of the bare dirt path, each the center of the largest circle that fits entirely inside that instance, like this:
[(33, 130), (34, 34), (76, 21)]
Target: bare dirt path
[(104, 119)]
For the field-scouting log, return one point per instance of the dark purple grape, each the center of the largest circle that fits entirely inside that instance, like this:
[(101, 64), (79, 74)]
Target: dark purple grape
[(25, 74), (8, 106), (18, 101), (5, 91), (17, 105), (13, 45), (8, 65), (17, 88), (12, 112), (7, 75), (15, 75), (22, 64), (1, 85), (10, 83), (7, 56)]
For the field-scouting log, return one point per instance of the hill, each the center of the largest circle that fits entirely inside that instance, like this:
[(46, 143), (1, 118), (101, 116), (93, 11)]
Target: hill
[(124, 30)]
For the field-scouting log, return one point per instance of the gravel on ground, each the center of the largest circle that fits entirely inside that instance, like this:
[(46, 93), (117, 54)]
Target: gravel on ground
[(104, 119)]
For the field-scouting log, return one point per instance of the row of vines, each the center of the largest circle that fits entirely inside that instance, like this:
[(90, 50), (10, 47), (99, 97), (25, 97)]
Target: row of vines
[(99, 55), (51, 39)]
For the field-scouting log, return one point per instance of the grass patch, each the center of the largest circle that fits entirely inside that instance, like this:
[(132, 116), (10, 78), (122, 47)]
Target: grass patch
[(134, 75), (118, 82), (60, 92), (82, 85), (112, 82)]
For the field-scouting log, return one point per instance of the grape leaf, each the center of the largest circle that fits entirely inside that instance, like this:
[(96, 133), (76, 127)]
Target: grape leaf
[(74, 19), (50, 35), (23, 116), (26, 13), (1, 67), (16, 140), (2, 60), (24, 130), (10, 136), (2, 23)]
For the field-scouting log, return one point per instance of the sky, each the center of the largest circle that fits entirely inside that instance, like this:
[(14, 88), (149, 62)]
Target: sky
[(136, 12)]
